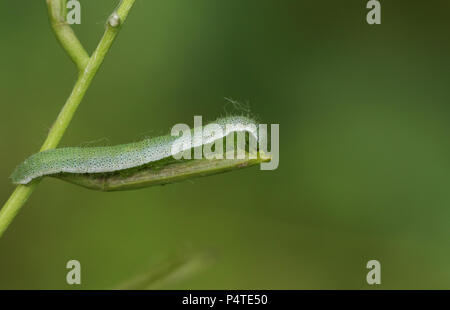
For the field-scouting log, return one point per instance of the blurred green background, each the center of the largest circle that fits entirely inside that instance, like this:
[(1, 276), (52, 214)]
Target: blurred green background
[(364, 144)]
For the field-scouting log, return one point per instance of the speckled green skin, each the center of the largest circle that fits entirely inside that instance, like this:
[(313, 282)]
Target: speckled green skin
[(101, 160)]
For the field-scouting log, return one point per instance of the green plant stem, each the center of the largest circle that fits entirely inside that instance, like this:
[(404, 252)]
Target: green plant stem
[(87, 73), (57, 12)]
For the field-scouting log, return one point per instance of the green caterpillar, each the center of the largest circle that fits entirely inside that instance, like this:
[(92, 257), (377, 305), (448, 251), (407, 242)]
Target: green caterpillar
[(139, 164)]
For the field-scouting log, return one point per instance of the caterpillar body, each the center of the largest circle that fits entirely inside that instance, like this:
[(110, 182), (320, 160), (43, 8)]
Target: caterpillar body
[(135, 165)]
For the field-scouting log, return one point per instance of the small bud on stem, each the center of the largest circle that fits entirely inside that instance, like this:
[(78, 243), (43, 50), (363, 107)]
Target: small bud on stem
[(114, 20)]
